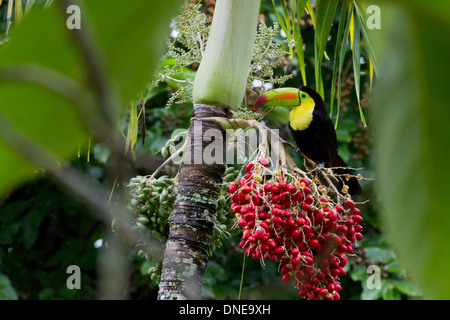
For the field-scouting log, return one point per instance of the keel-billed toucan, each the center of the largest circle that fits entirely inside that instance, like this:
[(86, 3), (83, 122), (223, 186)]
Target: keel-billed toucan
[(311, 127)]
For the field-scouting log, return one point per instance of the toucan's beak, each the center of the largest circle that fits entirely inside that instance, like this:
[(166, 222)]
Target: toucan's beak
[(282, 97)]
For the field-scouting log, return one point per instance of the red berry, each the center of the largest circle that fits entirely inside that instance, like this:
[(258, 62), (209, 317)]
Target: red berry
[(242, 222), (307, 229), (309, 199), (323, 291), (295, 261), (259, 234), (309, 261), (272, 244), (278, 251), (290, 188), (232, 187), (264, 162), (297, 196), (313, 243), (357, 218), (332, 215), (249, 166), (256, 200), (337, 240), (264, 248), (275, 190), (250, 216), (350, 204), (296, 233), (246, 189), (303, 293), (284, 270), (236, 208), (243, 198), (267, 187), (306, 207), (319, 216)]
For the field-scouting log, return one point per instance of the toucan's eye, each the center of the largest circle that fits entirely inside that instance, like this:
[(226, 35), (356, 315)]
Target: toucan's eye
[(303, 95)]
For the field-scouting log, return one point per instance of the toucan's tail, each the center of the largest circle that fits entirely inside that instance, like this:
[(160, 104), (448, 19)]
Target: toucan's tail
[(353, 185)]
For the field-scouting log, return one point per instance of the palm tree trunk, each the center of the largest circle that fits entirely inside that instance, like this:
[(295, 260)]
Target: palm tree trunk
[(193, 218)]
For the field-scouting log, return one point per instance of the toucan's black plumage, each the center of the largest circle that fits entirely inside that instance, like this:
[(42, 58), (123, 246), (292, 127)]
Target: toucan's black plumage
[(311, 128), (319, 142)]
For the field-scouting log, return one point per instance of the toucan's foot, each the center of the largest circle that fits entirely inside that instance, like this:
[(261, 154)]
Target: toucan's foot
[(320, 166), (297, 151)]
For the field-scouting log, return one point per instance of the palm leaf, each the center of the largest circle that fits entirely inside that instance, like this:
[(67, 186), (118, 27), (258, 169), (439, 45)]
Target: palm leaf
[(294, 37), (29, 5), (132, 132), (361, 13), (339, 43), (18, 10), (356, 53), (344, 48), (352, 30), (325, 12), (300, 6), (284, 24)]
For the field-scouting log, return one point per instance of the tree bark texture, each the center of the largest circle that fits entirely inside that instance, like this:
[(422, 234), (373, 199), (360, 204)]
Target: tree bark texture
[(194, 214)]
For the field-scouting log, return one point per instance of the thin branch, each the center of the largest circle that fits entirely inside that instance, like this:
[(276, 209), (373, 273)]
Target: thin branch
[(71, 178), (169, 160), (57, 83), (68, 89)]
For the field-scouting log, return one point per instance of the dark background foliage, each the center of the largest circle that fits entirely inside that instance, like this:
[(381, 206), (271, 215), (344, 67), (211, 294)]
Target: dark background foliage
[(44, 228)]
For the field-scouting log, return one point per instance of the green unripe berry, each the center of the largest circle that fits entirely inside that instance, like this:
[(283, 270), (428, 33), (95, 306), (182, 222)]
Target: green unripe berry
[(143, 220)]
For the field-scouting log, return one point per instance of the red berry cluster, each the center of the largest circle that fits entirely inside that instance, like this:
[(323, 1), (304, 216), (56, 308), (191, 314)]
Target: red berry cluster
[(295, 224)]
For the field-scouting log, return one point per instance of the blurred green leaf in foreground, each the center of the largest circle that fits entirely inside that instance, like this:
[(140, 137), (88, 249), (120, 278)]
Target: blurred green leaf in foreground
[(411, 117)]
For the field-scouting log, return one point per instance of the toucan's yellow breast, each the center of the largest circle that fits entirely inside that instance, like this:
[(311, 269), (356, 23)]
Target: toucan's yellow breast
[(302, 115)]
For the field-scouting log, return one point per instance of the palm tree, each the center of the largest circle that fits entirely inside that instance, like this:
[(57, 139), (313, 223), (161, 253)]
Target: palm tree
[(218, 88)]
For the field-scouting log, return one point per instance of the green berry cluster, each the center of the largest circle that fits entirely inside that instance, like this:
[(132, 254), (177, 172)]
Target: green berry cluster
[(225, 222), (152, 201), (151, 204), (154, 265)]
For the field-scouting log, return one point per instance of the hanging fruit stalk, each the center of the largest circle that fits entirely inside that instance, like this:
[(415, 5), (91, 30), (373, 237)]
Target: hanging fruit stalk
[(292, 219)]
